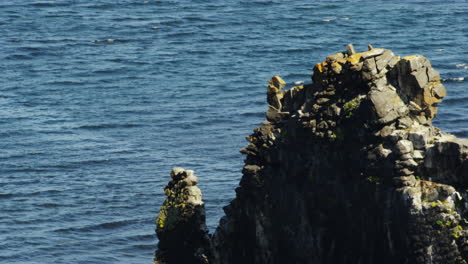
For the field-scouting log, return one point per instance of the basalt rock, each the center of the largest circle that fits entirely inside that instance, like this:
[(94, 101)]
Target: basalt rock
[(181, 229), (348, 169)]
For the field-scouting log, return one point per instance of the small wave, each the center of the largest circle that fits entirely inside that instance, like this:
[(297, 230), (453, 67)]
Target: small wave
[(253, 114), (20, 156), (329, 19), (107, 225), (126, 61), (42, 53), (135, 112), (214, 121), (182, 34), (298, 82), (47, 4), (297, 50), (81, 163), (108, 126), (258, 103), (49, 205), (462, 65), (328, 6), (171, 22), (200, 52), (296, 76), (257, 2), (128, 18), (198, 19), (5, 195), (156, 2), (456, 79), (306, 7), (461, 134), (64, 83), (18, 57), (30, 48), (24, 194), (55, 15), (140, 237), (28, 170), (99, 6), (458, 121), (109, 40), (110, 71), (145, 247), (455, 99), (133, 238), (48, 192)]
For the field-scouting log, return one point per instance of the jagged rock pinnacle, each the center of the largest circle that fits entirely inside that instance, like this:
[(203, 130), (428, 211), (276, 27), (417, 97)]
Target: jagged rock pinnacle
[(180, 226)]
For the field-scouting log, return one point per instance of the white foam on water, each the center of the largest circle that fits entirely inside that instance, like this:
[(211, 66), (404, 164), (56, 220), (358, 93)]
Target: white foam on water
[(329, 19), (456, 79)]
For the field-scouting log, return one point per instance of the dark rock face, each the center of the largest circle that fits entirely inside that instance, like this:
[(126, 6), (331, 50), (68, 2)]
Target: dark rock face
[(181, 229), (348, 169)]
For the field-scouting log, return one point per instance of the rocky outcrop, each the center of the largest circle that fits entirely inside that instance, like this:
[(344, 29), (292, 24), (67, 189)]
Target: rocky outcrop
[(181, 229), (348, 169)]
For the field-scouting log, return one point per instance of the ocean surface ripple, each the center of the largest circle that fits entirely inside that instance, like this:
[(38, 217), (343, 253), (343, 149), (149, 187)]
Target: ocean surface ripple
[(100, 99)]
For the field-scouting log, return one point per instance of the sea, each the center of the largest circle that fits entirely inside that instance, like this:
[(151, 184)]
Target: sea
[(99, 100)]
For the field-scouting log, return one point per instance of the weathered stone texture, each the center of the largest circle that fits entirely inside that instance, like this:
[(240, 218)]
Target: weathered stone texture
[(180, 226)]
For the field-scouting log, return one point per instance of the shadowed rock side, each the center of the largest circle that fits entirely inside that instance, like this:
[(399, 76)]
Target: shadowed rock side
[(348, 169), (181, 229)]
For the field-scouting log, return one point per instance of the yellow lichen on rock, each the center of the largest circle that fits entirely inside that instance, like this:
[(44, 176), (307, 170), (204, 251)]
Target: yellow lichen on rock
[(411, 57), (319, 66), (429, 98), (276, 83), (296, 89), (355, 58), (181, 193), (433, 94), (342, 61), (275, 91), (161, 219), (334, 57), (336, 67)]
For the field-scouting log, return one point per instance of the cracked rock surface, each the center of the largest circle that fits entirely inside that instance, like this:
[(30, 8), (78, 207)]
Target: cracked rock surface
[(348, 169)]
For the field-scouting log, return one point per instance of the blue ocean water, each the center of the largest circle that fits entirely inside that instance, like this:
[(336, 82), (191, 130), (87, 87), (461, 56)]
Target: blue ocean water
[(100, 99)]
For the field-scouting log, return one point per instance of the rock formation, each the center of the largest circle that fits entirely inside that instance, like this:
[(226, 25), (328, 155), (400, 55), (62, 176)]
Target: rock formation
[(183, 235), (348, 169)]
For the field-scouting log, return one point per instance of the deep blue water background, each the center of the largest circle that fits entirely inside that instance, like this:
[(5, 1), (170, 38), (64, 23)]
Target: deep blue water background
[(89, 130)]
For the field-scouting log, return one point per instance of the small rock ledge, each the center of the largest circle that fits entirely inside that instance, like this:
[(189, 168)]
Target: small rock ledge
[(348, 169)]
